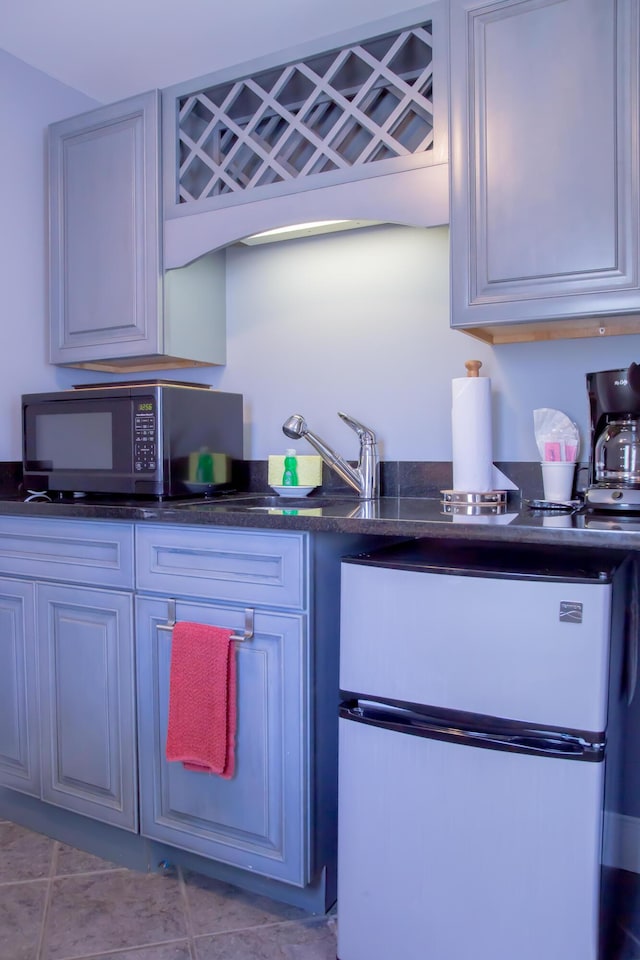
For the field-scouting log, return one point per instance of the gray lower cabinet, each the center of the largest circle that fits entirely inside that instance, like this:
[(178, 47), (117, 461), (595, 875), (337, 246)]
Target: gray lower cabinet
[(84, 695), (19, 713), (67, 680), (259, 820), (545, 209), (111, 307)]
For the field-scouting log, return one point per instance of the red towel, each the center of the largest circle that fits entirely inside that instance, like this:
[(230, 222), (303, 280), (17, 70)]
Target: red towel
[(201, 730)]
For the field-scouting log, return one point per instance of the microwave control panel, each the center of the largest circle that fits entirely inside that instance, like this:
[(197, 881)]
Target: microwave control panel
[(145, 436)]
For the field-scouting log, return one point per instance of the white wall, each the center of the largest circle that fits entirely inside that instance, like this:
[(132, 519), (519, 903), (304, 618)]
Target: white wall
[(357, 321), (29, 100)]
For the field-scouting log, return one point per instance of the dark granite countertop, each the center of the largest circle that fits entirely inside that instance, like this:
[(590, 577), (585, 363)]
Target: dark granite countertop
[(386, 517)]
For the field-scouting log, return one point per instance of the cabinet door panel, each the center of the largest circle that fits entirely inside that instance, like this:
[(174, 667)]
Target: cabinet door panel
[(99, 190), (19, 746), (259, 819), (546, 168), (88, 713)]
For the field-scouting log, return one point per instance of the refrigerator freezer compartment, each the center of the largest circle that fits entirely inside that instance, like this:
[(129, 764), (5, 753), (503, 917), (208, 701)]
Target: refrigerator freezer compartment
[(529, 650)]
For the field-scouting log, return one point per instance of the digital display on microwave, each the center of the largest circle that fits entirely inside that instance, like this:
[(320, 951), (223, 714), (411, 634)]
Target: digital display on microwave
[(74, 441)]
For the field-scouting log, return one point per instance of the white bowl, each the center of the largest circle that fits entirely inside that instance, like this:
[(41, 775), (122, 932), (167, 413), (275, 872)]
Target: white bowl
[(293, 491)]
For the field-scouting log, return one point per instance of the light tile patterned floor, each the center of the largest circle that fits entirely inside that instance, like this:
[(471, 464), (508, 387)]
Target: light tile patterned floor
[(58, 903)]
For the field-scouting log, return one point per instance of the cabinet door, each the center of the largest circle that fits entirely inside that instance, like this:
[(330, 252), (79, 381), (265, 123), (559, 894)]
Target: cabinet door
[(104, 232), (86, 655), (19, 746), (258, 820), (544, 169)]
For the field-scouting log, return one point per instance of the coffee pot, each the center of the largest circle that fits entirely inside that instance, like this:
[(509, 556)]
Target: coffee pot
[(617, 452), (614, 468)]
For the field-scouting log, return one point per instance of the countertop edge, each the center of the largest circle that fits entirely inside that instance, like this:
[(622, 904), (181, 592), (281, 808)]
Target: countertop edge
[(525, 527)]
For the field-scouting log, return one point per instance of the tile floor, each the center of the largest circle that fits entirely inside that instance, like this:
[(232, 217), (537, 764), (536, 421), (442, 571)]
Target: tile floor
[(58, 903)]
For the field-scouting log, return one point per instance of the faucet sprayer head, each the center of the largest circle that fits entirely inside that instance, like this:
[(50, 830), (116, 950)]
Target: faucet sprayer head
[(295, 427), (364, 477)]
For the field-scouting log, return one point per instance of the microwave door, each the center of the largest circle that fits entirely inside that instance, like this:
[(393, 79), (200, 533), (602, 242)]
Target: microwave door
[(79, 445)]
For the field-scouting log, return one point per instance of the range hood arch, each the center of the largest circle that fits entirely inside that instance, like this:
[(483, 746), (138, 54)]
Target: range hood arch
[(414, 198)]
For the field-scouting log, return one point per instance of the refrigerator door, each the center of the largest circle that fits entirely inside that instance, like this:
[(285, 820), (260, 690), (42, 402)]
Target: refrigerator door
[(529, 650), (453, 852)]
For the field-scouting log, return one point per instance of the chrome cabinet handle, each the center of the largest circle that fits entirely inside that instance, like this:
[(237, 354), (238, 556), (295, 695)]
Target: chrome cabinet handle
[(247, 634)]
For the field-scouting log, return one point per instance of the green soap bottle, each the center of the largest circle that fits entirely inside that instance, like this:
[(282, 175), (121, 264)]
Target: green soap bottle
[(290, 475), (204, 470)]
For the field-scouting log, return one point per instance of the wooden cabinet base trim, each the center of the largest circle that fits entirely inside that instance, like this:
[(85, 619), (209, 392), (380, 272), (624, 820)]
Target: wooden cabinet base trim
[(139, 364), (574, 329)]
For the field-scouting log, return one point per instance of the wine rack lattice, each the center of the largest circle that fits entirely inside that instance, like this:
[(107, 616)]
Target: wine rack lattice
[(338, 110)]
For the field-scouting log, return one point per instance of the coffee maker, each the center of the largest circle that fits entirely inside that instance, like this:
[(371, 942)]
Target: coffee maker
[(614, 466)]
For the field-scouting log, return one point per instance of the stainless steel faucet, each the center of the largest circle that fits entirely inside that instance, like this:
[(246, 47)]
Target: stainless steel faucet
[(365, 477)]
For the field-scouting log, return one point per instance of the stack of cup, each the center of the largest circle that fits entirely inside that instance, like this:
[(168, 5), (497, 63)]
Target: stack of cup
[(558, 442), (557, 480)]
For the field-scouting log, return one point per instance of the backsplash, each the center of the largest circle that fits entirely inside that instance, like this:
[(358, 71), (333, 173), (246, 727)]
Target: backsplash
[(405, 478), (398, 478)]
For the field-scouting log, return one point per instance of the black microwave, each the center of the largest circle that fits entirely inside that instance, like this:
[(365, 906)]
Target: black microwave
[(151, 438)]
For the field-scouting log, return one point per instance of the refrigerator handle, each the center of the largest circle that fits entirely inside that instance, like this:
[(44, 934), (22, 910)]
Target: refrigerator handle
[(518, 739)]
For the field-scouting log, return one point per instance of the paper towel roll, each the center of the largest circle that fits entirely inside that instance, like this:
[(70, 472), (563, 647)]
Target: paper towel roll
[(472, 434)]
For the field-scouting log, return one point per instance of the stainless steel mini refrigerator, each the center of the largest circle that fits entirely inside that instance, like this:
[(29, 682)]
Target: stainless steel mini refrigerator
[(483, 702)]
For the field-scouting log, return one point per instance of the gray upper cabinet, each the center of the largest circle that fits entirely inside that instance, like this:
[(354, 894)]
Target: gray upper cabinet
[(111, 307), (544, 168)]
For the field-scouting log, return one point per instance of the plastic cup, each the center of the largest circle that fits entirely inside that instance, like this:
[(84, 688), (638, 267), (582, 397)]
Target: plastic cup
[(557, 480)]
